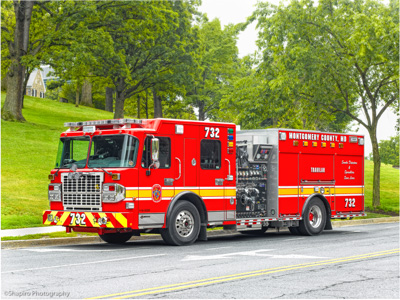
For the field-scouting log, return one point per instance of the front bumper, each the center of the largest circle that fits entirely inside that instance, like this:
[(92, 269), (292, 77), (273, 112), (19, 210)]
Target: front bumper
[(88, 219)]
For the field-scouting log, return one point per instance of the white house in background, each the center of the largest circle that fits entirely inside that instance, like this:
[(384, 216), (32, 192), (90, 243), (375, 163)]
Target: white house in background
[(37, 82)]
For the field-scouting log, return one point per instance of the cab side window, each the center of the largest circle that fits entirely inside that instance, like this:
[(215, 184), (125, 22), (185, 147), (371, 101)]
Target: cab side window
[(210, 155), (165, 152)]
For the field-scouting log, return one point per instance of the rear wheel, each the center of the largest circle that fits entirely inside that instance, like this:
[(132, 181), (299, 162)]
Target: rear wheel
[(314, 218), (116, 238), (183, 225)]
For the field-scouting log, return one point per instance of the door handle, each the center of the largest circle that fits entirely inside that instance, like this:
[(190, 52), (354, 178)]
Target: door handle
[(229, 177), (180, 166)]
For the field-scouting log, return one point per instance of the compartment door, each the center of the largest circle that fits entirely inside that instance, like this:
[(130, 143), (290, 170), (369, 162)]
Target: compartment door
[(317, 176), (349, 190)]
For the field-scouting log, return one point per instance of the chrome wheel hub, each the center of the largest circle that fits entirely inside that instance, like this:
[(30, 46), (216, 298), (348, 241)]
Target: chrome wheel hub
[(315, 216), (184, 223)]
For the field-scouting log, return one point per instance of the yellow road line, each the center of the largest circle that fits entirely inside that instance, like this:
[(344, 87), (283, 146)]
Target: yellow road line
[(208, 281)]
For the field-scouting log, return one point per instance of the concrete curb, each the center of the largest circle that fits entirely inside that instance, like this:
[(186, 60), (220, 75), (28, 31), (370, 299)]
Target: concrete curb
[(49, 242), (337, 224), (95, 239)]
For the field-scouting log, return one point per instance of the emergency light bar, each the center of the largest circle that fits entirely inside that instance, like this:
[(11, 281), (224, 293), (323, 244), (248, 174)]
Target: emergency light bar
[(103, 122)]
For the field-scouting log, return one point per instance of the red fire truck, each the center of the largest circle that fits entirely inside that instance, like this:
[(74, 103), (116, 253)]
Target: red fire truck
[(124, 177)]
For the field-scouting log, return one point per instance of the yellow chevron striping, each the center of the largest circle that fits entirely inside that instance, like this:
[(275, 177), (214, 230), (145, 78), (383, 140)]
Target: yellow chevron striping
[(90, 217), (64, 216), (109, 224), (94, 224), (47, 222), (121, 219)]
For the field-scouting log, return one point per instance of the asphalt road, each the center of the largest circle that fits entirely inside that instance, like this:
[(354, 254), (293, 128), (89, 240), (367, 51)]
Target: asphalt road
[(348, 262)]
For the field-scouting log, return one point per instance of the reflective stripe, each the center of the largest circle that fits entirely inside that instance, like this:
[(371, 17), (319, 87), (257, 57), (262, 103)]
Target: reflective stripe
[(116, 220), (336, 190)]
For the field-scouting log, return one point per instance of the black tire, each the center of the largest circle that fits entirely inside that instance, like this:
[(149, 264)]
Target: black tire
[(314, 218), (183, 225), (294, 230), (255, 232), (116, 238)]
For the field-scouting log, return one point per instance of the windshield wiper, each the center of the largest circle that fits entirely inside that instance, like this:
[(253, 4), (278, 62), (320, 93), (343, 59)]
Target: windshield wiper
[(56, 173), (98, 169)]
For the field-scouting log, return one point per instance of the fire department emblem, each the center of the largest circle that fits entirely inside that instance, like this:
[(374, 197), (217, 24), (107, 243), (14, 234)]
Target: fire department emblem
[(156, 194)]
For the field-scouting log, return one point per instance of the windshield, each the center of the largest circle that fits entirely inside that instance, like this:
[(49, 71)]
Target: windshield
[(106, 151), (72, 150), (113, 151)]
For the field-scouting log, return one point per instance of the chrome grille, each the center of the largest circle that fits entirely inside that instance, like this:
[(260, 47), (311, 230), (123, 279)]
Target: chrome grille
[(83, 191)]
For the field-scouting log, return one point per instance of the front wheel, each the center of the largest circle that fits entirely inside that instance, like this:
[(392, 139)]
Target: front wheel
[(116, 238), (183, 226), (314, 218)]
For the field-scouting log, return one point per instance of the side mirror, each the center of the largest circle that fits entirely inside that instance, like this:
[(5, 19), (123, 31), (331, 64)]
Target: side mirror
[(155, 150)]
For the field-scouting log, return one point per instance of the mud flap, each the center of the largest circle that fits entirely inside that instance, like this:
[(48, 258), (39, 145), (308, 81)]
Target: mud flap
[(328, 225), (203, 233)]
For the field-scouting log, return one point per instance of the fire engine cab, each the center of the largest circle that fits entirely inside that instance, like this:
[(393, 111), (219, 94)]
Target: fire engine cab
[(124, 177)]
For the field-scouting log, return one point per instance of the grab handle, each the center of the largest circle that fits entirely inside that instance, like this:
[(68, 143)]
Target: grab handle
[(180, 166)]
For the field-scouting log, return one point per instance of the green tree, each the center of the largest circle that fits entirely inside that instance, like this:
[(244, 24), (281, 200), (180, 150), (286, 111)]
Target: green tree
[(339, 55), (170, 85), (16, 40), (32, 32), (215, 64), (254, 102), (132, 43), (389, 151)]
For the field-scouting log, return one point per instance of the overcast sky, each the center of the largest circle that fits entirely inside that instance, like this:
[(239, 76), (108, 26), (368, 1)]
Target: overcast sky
[(236, 11)]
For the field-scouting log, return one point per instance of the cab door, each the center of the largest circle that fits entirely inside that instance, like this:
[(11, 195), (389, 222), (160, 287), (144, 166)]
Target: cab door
[(186, 160), (156, 187), (213, 171)]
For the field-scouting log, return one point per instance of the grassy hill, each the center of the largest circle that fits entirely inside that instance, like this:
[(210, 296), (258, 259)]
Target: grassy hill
[(389, 187), (28, 153)]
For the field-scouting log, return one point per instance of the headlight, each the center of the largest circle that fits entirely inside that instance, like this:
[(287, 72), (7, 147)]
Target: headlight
[(113, 192), (102, 221)]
